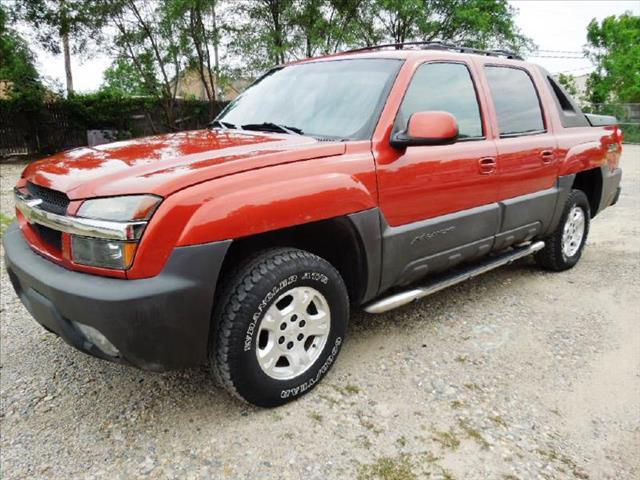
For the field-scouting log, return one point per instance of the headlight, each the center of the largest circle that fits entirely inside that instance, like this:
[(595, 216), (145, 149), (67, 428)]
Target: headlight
[(120, 209), (96, 252), (114, 254)]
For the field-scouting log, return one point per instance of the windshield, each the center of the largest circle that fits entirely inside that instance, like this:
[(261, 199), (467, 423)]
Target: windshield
[(330, 99)]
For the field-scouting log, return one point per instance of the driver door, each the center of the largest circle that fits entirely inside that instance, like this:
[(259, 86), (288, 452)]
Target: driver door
[(439, 201)]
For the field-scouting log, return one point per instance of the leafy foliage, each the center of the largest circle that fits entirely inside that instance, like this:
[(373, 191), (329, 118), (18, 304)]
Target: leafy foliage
[(269, 32), (52, 126), (614, 47), (569, 83), (475, 23), (16, 63), (53, 19), (154, 41), (61, 26), (123, 79)]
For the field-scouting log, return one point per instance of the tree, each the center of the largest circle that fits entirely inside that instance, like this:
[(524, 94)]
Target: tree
[(276, 31), (60, 26), (568, 82), (614, 48), (475, 23), (199, 25), (149, 39), (261, 35), (323, 27), (122, 79), (16, 63)]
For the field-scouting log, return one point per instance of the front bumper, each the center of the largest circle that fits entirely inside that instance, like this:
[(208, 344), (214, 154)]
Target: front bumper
[(158, 323)]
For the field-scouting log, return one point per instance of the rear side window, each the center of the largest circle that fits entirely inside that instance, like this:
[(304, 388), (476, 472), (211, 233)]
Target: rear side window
[(445, 87), (570, 113), (516, 101)]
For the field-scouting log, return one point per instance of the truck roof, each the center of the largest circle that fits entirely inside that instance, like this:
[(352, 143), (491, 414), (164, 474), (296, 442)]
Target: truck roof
[(417, 50)]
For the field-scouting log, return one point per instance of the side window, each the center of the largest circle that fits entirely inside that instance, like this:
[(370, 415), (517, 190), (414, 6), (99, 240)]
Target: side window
[(570, 113), (516, 101), (443, 87)]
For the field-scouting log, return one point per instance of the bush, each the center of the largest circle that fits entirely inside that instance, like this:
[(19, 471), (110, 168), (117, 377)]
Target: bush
[(631, 132), (37, 127)]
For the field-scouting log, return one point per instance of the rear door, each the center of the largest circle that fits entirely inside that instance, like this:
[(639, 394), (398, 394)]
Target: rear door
[(527, 154), (438, 201)]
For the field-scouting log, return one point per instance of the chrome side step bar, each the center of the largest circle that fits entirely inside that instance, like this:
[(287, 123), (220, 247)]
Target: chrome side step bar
[(398, 299)]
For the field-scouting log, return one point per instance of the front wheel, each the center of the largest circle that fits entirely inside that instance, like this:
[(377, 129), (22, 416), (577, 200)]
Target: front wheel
[(278, 326), (563, 248)]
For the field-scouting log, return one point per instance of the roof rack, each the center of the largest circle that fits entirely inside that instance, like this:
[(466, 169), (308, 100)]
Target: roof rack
[(437, 45)]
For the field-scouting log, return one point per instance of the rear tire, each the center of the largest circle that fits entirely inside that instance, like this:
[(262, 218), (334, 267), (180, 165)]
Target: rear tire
[(278, 326), (563, 248)]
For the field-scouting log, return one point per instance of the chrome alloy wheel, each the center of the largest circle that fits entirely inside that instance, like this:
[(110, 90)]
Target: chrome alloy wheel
[(293, 333), (573, 232)]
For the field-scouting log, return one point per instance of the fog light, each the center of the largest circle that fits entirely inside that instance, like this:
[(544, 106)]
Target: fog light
[(98, 339), (102, 253)]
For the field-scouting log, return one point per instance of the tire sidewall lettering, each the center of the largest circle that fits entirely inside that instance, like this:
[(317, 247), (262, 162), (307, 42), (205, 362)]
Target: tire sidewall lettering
[(303, 387)]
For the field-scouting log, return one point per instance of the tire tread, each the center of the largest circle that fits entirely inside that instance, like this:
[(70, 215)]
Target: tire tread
[(238, 289), (551, 256)]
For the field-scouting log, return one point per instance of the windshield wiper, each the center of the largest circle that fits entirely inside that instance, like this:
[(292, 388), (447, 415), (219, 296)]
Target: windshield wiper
[(221, 124), (270, 127)]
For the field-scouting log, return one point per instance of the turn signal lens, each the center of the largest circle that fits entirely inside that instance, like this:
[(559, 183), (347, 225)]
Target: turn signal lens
[(95, 252)]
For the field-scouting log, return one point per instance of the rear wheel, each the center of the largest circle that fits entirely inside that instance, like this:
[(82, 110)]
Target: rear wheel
[(279, 325), (563, 248)]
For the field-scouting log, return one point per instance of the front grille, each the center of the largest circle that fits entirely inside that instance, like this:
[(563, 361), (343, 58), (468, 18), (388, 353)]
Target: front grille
[(52, 200), (49, 236)]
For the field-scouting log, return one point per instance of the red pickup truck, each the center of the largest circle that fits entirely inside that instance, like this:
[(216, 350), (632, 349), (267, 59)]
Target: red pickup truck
[(370, 178)]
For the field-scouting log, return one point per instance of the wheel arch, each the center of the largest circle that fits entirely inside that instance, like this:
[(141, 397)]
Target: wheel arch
[(590, 182), (351, 243)]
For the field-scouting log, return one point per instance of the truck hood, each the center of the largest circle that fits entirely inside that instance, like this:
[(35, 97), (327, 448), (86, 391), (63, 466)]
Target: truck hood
[(164, 164)]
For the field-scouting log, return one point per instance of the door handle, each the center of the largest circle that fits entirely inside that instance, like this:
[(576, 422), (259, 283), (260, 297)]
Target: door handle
[(487, 165), (547, 156)]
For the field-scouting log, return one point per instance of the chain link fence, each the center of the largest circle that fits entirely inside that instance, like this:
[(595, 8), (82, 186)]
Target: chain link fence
[(628, 115)]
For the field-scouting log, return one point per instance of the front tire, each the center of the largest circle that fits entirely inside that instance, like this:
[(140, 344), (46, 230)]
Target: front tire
[(278, 326), (563, 248)]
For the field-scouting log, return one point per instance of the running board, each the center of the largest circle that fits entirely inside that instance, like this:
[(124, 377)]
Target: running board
[(398, 299)]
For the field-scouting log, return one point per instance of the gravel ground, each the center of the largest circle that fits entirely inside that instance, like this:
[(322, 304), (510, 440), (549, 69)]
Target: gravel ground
[(516, 374)]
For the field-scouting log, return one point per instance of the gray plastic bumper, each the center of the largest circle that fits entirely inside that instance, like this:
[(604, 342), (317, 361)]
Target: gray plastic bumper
[(157, 323)]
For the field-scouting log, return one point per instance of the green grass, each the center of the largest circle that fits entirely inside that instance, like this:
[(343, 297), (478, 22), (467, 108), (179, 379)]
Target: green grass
[(498, 420), (461, 359), (474, 387), (276, 416), (447, 439), (474, 434), (5, 221), (631, 133), (554, 456), (352, 389), (315, 416), (402, 441), (389, 468), (368, 424), (348, 389)]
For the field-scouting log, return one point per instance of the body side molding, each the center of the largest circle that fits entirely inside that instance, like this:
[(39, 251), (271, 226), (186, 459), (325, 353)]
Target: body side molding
[(402, 298)]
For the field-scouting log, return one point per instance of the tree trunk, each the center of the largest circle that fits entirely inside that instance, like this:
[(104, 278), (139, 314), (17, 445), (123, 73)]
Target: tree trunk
[(216, 42), (276, 11), (198, 36), (67, 63)]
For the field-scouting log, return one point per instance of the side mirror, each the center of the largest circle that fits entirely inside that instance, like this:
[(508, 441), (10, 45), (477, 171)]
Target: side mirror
[(427, 128)]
